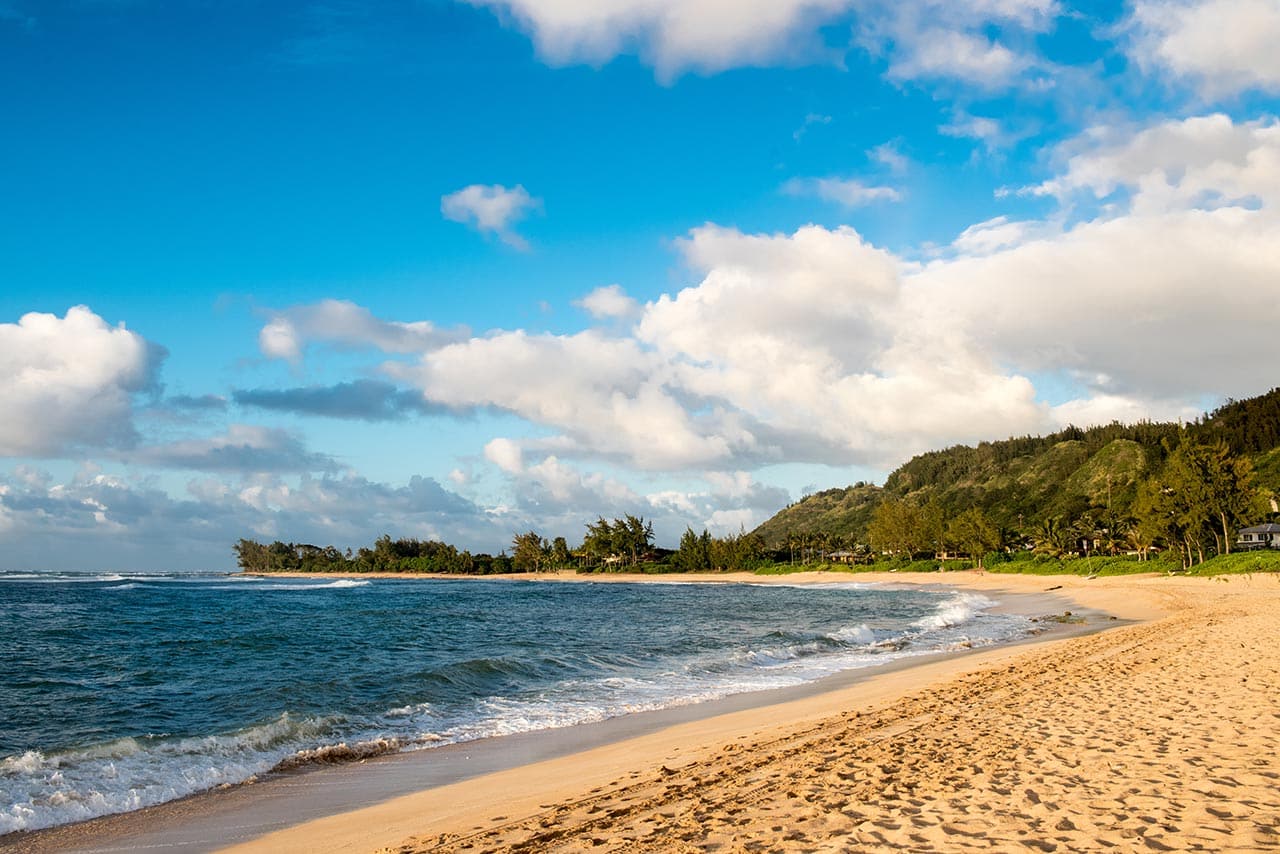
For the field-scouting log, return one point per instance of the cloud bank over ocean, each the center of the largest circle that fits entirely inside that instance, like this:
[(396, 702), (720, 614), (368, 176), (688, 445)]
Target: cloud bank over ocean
[(814, 322)]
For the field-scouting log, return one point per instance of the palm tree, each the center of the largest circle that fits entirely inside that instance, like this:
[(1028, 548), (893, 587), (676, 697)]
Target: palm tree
[(1050, 538)]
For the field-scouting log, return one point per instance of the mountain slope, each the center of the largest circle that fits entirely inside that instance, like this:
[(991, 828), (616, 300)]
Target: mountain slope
[(1021, 481)]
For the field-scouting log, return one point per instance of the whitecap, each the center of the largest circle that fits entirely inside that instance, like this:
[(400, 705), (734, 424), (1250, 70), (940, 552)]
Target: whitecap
[(956, 611)]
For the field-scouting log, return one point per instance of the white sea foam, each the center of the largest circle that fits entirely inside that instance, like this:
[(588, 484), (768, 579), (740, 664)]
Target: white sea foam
[(956, 611), (859, 634), (39, 790), (831, 585), (339, 584)]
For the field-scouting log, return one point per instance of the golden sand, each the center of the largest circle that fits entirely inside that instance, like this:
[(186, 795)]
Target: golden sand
[(1156, 736)]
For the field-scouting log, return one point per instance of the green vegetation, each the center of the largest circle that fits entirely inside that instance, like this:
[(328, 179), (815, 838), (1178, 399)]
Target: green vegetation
[(387, 555), (625, 543), (1116, 489), (704, 553)]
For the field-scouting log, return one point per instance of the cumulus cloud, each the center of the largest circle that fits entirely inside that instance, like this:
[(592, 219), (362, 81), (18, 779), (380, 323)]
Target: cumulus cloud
[(68, 382), (673, 35), (1203, 161), (608, 301), (491, 209), (345, 325), (988, 44), (968, 56), (846, 192), (996, 233), (1222, 47), (920, 38), (607, 393), (818, 346), (242, 448), (363, 400)]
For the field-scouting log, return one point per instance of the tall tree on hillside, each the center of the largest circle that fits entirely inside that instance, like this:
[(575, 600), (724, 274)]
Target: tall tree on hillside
[(896, 528), (1229, 488), (1178, 502), (933, 525)]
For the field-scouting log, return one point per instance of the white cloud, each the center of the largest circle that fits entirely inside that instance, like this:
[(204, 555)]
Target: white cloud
[(607, 394), (1201, 161), (1222, 46), (673, 35), (344, 324), (847, 192), (996, 233), (921, 38), (967, 56), (817, 346), (988, 44), (491, 209), (889, 156), (993, 135), (68, 382), (608, 301), (1106, 408), (1171, 306), (505, 454)]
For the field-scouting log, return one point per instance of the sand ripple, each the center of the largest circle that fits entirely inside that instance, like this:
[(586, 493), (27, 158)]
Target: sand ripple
[(1155, 737)]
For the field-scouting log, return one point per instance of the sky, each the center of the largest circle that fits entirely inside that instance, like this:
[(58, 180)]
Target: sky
[(318, 270)]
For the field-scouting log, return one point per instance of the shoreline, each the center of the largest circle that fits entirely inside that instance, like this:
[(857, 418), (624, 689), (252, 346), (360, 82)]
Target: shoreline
[(283, 799), (1158, 734)]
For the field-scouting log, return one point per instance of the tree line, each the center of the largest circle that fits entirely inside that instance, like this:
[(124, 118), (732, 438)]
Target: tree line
[(1202, 488), (607, 544)]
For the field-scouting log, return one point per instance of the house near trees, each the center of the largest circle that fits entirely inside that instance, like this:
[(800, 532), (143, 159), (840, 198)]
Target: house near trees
[(1259, 537)]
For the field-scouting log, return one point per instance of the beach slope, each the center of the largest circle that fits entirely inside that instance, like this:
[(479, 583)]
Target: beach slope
[(1160, 735)]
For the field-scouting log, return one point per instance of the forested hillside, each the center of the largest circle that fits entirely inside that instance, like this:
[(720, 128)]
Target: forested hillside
[(1023, 483)]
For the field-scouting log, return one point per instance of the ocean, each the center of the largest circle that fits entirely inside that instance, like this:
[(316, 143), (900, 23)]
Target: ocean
[(123, 691)]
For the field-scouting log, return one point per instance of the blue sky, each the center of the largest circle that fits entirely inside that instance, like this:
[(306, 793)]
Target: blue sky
[(320, 270)]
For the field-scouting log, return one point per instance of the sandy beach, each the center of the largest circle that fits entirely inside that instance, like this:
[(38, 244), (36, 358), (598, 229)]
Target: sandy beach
[(1158, 735), (1155, 730)]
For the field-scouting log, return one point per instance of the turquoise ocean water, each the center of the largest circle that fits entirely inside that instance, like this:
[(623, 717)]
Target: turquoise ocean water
[(121, 691)]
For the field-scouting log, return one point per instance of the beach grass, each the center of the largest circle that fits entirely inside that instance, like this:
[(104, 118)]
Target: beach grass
[(1025, 564)]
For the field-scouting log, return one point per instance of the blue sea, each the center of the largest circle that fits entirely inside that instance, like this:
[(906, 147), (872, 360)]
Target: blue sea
[(122, 691)]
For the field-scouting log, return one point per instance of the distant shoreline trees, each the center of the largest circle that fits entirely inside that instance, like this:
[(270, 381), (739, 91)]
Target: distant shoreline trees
[(619, 543), (1105, 491)]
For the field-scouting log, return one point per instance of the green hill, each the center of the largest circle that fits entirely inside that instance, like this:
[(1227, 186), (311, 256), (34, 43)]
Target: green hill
[(1019, 482)]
